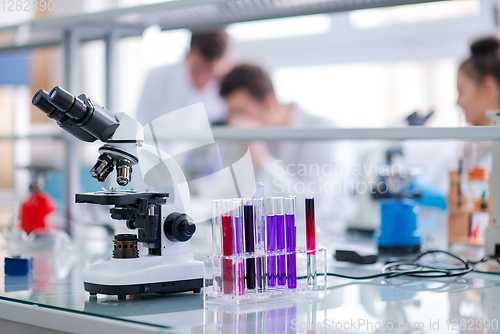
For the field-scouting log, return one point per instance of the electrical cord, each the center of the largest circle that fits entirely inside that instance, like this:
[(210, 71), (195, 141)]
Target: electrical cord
[(414, 269)]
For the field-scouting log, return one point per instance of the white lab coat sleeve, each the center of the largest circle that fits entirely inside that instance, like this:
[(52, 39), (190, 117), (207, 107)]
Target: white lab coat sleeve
[(319, 170)]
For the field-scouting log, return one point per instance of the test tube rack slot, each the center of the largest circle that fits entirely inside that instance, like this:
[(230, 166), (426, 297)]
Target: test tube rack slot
[(226, 276)]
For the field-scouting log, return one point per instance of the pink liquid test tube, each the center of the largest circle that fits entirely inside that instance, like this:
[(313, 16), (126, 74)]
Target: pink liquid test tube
[(311, 241), (227, 246), (291, 242), (271, 243), (239, 238)]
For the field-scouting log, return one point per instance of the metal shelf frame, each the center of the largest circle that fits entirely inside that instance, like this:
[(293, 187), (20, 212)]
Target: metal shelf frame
[(336, 134), (190, 14)]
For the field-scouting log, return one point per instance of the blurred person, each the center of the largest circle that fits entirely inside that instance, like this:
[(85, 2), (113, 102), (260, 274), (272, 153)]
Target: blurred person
[(478, 81), (298, 168), (194, 80), (478, 84)]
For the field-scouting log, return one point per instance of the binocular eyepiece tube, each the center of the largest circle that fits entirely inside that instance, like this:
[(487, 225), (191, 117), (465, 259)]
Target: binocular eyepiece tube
[(80, 116)]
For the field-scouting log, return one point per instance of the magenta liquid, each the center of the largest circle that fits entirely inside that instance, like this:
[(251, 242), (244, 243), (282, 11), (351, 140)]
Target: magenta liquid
[(291, 240), (271, 247), (280, 222)]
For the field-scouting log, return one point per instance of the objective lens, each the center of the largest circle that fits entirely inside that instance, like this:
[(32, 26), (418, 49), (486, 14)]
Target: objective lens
[(105, 174), (123, 171), (102, 168)]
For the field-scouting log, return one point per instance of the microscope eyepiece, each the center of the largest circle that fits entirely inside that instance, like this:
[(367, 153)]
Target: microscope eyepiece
[(69, 104), (38, 96), (41, 101), (61, 98), (80, 116)]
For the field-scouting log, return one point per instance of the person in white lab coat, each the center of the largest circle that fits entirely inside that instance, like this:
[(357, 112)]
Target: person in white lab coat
[(298, 168), (194, 80)]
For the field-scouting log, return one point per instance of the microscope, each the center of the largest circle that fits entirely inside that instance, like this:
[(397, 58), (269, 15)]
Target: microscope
[(169, 265)]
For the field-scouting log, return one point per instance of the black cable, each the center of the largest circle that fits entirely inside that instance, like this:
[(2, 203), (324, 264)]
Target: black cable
[(400, 268)]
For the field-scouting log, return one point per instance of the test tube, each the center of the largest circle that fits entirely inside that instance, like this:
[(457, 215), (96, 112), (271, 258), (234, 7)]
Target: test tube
[(271, 243), (311, 241), (238, 223), (291, 242), (312, 307), (280, 236), (249, 241), (217, 243), (260, 242), (227, 245), (291, 316), (272, 325)]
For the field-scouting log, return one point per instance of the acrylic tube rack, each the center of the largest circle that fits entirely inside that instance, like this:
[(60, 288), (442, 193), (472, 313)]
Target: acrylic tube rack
[(227, 274)]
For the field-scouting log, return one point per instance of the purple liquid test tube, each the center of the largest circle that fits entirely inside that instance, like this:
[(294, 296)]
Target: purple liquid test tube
[(249, 241), (271, 243), (291, 242), (280, 236), (239, 241)]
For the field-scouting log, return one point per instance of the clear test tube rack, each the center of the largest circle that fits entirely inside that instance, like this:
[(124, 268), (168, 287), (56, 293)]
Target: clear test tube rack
[(214, 273)]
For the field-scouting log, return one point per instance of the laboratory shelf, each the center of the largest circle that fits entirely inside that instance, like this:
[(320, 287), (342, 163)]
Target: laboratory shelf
[(32, 137), (327, 134), (190, 14), (314, 134)]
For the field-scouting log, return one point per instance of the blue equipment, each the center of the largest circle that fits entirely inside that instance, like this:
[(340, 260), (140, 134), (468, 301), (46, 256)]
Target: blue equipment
[(398, 230)]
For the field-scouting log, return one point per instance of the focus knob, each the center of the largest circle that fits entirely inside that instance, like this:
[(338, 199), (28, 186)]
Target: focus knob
[(179, 227)]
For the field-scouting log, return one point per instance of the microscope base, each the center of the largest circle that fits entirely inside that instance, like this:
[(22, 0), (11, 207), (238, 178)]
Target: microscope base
[(145, 274), (122, 291)]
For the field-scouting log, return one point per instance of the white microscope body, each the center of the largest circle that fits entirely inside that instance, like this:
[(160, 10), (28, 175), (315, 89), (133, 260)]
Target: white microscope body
[(169, 265)]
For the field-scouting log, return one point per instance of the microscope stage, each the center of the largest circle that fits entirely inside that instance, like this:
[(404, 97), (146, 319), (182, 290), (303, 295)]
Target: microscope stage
[(121, 198)]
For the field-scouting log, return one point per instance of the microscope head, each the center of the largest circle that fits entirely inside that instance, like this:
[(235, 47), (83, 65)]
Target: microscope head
[(89, 121), (80, 116)]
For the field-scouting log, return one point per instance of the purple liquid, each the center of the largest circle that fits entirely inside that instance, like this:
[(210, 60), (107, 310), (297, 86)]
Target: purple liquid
[(239, 250), (281, 320), (280, 222), (271, 247), (291, 315), (291, 240), (249, 245), (271, 322)]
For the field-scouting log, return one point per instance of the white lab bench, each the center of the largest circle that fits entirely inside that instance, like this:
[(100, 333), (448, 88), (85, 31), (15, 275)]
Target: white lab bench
[(45, 303)]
